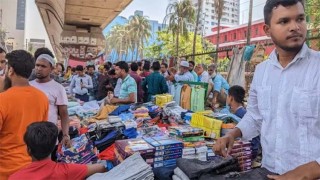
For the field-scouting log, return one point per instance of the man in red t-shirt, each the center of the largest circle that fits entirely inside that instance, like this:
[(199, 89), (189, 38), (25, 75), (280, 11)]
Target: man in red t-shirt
[(41, 138)]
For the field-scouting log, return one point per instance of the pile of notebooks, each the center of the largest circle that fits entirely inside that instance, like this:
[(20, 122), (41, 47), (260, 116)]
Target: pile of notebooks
[(199, 153), (243, 152), (126, 148), (133, 167), (167, 150), (186, 133)]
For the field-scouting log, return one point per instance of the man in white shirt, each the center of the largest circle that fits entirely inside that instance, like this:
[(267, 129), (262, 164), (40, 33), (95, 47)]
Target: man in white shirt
[(183, 75), (55, 92), (203, 75), (80, 84), (284, 101)]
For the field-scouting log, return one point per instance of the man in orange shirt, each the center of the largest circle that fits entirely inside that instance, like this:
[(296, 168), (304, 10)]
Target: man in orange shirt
[(20, 105)]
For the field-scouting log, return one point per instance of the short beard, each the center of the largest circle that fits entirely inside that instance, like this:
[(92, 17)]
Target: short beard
[(7, 83), (286, 48), (41, 77)]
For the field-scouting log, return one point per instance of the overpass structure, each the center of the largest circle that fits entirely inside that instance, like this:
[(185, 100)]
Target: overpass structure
[(75, 27)]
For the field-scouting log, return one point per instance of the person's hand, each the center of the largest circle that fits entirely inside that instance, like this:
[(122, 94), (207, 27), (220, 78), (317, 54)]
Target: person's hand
[(303, 172), (66, 141), (83, 86), (213, 105), (114, 101), (224, 145)]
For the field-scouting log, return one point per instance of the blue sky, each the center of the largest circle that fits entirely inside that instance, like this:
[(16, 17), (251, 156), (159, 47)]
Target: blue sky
[(156, 9)]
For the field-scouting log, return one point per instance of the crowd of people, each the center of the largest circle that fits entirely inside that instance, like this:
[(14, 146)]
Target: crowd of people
[(283, 107)]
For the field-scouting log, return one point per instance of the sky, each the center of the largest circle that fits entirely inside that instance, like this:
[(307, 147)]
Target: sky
[(157, 9), (154, 9)]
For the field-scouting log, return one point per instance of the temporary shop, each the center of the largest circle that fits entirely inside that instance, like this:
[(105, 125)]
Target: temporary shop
[(139, 141)]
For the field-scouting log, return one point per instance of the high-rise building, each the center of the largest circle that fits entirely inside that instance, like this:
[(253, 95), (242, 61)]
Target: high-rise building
[(208, 17), (12, 18)]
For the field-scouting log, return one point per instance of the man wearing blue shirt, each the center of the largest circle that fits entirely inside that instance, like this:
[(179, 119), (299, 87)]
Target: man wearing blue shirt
[(128, 90), (220, 87)]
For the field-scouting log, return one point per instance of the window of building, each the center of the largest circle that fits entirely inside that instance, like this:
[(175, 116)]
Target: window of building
[(235, 36), (21, 9), (257, 31), (225, 38), (245, 34)]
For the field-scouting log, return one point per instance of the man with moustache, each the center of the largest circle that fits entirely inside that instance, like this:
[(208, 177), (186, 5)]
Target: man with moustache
[(20, 105), (55, 92), (284, 100)]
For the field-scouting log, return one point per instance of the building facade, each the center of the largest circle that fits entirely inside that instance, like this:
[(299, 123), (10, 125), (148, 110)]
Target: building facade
[(237, 37), (208, 17), (12, 22)]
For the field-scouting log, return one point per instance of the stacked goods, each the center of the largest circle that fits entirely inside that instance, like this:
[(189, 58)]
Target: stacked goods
[(186, 133), (167, 150), (126, 148), (211, 155), (193, 140), (242, 151), (199, 153), (162, 99), (80, 152), (211, 126)]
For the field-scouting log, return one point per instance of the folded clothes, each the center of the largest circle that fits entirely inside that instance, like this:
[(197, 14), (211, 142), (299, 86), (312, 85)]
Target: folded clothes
[(194, 168), (119, 110)]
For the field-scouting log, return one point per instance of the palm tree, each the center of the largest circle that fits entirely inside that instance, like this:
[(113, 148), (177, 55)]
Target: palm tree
[(218, 7), (140, 29), (178, 15), (196, 28)]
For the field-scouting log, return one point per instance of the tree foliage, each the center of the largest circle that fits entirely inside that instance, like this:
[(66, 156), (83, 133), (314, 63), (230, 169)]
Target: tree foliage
[(129, 39), (167, 46), (179, 15)]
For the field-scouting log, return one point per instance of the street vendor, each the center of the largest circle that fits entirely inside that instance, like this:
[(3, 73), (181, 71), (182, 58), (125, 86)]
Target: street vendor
[(183, 75), (218, 86), (128, 90), (283, 108)]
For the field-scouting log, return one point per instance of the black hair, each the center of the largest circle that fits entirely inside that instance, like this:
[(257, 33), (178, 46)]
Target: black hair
[(106, 66), (139, 63), (238, 93), (192, 62), (62, 66), (156, 66), (110, 64), (22, 62), (43, 50), (2, 50), (41, 139), (146, 66), (90, 66), (123, 65), (165, 65), (69, 67), (79, 68), (112, 72), (271, 4), (73, 69), (134, 66)]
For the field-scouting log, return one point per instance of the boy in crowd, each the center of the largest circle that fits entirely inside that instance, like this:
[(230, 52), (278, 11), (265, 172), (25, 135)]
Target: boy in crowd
[(41, 138)]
